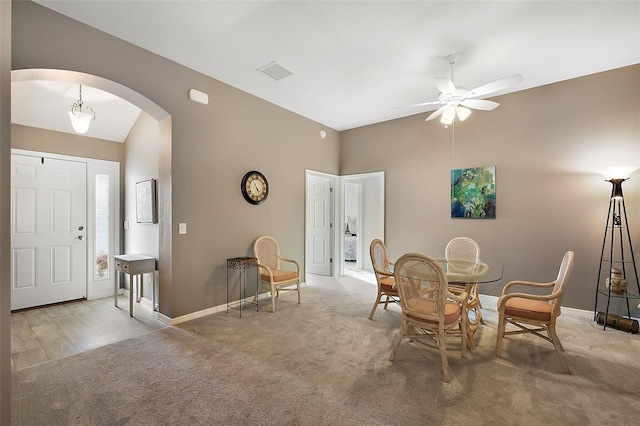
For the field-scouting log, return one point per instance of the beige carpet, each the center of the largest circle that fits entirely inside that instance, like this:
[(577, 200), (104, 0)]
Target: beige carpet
[(324, 363)]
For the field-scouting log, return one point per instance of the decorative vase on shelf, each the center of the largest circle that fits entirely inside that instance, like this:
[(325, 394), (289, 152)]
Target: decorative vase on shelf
[(616, 282)]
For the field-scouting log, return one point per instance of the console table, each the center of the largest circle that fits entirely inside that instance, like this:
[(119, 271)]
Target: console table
[(242, 264), (135, 264)]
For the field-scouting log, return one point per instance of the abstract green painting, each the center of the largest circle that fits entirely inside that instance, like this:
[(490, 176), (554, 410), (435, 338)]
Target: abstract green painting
[(473, 193)]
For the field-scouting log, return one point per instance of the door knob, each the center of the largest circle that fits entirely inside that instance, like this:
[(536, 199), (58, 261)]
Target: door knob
[(80, 228), (79, 237)]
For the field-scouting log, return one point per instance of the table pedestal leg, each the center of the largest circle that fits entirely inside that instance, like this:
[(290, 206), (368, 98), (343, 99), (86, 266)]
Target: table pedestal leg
[(472, 290)]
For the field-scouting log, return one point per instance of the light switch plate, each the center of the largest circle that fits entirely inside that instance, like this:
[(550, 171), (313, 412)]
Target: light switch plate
[(182, 228)]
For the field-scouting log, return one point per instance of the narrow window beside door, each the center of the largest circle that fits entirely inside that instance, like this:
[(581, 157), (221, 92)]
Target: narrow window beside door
[(102, 227)]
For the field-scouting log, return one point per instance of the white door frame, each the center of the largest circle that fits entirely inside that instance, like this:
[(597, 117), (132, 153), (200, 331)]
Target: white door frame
[(334, 234), (104, 287), (363, 245), (355, 230)]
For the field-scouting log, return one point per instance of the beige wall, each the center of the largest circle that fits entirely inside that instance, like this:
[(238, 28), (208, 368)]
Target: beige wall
[(5, 234), (546, 144), (41, 140), (142, 148), (211, 148)]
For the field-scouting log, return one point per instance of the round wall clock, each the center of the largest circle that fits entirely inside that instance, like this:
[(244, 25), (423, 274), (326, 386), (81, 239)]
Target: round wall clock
[(254, 187)]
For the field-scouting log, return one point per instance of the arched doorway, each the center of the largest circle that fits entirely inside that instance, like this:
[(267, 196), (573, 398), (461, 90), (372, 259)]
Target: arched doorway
[(164, 156)]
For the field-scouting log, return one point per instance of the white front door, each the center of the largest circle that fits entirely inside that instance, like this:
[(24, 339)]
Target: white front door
[(319, 225), (48, 235)]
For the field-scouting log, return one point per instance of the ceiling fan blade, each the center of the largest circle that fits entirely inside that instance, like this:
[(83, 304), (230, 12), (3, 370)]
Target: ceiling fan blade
[(494, 86), (445, 85), (481, 104), (437, 113), (424, 103)]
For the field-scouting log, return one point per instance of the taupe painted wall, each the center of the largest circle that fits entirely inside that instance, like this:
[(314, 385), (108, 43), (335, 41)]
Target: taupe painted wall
[(546, 144), (211, 148), (142, 147), (5, 197), (42, 140)]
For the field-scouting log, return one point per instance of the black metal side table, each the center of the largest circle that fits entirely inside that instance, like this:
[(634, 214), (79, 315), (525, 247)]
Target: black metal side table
[(241, 264)]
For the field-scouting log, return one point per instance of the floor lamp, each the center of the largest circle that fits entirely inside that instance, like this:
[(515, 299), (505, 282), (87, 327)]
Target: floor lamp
[(618, 258)]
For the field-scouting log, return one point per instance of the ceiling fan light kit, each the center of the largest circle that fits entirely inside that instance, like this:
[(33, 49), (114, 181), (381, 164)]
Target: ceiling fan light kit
[(456, 101), (80, 120)]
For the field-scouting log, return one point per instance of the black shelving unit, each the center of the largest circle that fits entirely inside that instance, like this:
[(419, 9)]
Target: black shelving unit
[(617, 252)]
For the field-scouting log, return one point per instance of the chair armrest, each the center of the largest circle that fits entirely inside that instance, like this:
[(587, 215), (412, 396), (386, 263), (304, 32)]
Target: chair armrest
[(266, 268), (527, 284), (460, 297), (385, 273), (291, 261)]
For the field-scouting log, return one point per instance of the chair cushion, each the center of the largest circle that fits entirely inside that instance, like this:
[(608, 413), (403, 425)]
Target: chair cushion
[(387, 283), (279, 275), (452, 311), (538, 310)]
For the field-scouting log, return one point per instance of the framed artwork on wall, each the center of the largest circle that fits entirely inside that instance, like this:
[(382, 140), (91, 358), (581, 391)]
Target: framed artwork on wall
[(473, 193), (146, 209)]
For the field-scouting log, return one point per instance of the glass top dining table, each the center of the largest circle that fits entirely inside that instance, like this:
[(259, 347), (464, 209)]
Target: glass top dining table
[(471, 275), (467, 272)]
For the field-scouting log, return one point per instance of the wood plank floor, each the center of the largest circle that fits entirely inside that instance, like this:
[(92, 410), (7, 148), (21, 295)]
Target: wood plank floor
[(42, 334)]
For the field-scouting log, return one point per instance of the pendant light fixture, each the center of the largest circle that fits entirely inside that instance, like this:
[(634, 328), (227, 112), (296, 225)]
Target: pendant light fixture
[(81, 119)]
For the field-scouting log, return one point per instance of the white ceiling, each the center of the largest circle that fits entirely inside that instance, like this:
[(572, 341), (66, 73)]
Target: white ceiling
[(45, 104), (361, 62)]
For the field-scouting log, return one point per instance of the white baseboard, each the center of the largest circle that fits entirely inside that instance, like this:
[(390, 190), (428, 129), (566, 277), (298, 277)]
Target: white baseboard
[(488, 302), (209, 311), (491, 303)]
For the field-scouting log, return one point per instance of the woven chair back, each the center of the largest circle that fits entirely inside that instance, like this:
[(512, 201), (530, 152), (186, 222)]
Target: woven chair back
[(379, 257), (267, 251), (422, 285), (462, 253), (566, 267)]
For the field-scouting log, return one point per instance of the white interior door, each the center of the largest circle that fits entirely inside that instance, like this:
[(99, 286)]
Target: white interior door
[(319, 224), (48, 235)]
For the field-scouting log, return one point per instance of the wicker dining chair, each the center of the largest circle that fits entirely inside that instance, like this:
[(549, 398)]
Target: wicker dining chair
[(384, 276), (267, 250), (462, 255), (429, 309), (535, 313)]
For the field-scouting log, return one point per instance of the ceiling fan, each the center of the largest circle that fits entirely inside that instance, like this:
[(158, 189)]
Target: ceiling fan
[(457, 101)]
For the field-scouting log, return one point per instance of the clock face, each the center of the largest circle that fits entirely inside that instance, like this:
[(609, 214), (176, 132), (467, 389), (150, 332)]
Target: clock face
[(254, 187)]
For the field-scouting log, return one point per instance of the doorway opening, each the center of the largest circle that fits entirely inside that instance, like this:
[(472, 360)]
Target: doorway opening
[(157, 166), (65, 215), (338, 231), (363, 221), (320, 227)]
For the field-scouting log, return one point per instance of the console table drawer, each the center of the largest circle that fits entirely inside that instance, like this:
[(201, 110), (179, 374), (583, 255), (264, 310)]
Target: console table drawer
[(135, 267)]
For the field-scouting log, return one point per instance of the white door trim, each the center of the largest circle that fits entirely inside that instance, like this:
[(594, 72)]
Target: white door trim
[(364, 236), (334, 234), (95, 288)]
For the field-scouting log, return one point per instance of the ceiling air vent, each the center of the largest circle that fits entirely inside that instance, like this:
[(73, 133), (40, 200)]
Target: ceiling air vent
[(275, 71)]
